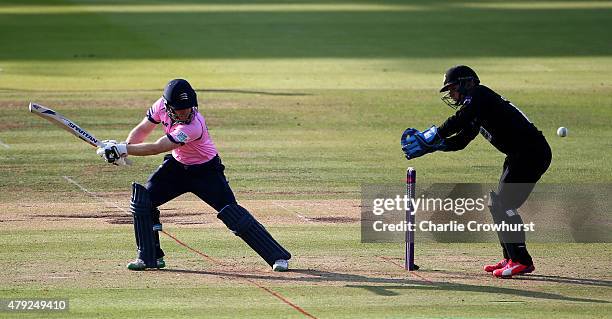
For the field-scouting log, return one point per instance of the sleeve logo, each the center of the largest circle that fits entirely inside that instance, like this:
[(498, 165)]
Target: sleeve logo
[(181, 137)]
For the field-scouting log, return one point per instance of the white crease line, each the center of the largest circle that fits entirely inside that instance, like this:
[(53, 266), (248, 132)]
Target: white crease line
[(96, 196), (293, 212), (4, 145), (123, 209)]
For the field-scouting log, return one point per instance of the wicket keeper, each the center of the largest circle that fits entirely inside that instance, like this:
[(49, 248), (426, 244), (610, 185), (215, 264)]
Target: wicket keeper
[(528, 155), (194, 166)]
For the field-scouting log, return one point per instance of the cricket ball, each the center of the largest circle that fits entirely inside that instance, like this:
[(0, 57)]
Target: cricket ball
[(562, 131)]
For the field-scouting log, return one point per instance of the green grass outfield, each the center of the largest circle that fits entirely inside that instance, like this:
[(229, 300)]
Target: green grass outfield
[(306, 101), (360, 286)]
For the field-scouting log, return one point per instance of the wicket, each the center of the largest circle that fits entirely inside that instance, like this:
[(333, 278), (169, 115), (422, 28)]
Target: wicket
[(410, 218)]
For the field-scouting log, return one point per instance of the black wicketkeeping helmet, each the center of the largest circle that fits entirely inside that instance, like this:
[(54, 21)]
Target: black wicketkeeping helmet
[(462, 76), (457, 75)]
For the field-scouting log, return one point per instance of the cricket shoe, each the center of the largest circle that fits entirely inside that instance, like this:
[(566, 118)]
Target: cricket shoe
[(513, 268), (280, 265), (139, 264), (501, 264)]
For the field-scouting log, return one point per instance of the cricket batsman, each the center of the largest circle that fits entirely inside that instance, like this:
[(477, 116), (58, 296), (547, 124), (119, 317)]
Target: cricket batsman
[(480, 110), (194, 166)]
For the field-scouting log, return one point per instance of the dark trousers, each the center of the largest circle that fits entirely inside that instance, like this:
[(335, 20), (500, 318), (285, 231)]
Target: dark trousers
[(520, 174), (173, 179)]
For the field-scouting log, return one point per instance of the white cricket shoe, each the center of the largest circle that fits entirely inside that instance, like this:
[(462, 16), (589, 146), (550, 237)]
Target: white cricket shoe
[(139, 264), (280, 265)]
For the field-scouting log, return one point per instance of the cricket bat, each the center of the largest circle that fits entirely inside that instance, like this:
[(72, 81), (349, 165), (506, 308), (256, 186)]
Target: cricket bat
[(66, 124)]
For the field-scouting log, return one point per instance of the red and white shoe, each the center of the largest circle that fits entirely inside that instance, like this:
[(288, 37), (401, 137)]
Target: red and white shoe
[(513, 268), (501, 264)]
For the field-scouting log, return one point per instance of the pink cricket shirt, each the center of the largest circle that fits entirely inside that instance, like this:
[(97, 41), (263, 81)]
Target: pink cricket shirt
[(196, 145)]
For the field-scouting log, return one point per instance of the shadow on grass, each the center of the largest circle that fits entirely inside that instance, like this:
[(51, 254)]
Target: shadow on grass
[(355, 281), (254, 92), (546, 278), (230, 34), (569, 280), (160, 90), (313, 276), (388, 291)]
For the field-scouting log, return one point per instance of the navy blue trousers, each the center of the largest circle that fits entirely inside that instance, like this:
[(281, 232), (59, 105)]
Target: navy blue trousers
[(173, 179)]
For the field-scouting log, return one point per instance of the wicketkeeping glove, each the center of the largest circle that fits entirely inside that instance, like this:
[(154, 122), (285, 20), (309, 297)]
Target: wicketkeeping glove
[(416, 144)]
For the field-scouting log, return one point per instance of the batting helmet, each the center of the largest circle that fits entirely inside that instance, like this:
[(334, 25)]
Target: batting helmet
[(180, 95)]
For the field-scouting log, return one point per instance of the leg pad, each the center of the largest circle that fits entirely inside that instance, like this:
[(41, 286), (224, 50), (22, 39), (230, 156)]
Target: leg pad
[(141, 208), (245, 226)]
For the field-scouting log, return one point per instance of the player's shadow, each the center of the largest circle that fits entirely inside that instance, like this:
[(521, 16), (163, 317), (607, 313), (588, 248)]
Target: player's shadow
[(548, 278), (255, 92), (455, 287), (312, 276), (569, 280), (357, 281)]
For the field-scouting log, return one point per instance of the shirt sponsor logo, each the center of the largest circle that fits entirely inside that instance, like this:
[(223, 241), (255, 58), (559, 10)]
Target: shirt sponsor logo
[(181, 137)]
